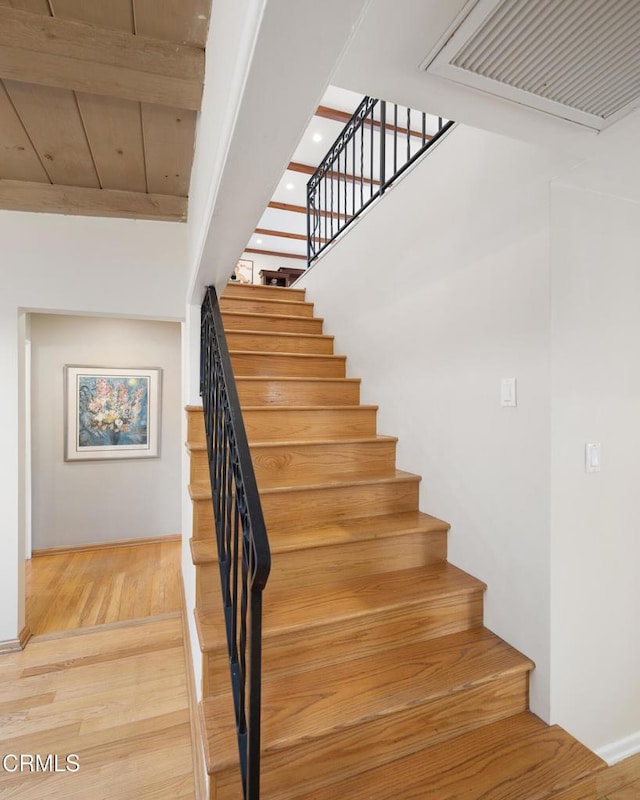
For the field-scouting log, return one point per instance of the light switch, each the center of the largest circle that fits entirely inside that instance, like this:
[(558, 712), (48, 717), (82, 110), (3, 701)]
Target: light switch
[(508, 392), (592, 457)]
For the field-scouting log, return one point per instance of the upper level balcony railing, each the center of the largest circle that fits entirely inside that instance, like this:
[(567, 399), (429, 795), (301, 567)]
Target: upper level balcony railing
[(380, 142)]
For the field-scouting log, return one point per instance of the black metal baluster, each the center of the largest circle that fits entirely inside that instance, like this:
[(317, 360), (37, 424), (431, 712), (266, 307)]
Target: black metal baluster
[(395, 138), (408, 134), (383, 145), (424, 129)]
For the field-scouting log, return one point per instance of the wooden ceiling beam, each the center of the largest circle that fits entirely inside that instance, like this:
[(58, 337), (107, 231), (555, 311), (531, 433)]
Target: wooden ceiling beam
[(44, 197), (303, 210), (307, 169), (285, 234), (274, 253), (301, 237), (76, 55), (344, 117)]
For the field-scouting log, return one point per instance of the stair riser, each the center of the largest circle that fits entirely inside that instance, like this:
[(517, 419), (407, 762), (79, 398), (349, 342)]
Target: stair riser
[(277, 365), (301, 424), (195, 427), (289, 508), (241, 304), (296, 772), (358, 637), (274, 343), (311, 567), (254, 291), (298, 393), (202, 519), (319, 462), (272, 324), (198, 468)]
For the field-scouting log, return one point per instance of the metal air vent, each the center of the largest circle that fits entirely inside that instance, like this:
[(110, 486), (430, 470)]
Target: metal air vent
[(577, 59)]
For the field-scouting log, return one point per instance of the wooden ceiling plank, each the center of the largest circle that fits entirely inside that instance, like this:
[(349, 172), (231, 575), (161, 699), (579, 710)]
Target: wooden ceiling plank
[(169, 135), (18, 158), (184, 21), (113, 62), (26, 196), (115, 137), (117, 14), (52, 119)]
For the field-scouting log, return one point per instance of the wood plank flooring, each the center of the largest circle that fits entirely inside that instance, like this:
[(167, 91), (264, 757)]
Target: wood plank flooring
[(80, 589), (622, 781), (116, 697), (104, 678)]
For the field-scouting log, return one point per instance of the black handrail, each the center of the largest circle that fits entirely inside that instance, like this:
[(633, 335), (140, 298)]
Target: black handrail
[(243, 547), (351, 175)]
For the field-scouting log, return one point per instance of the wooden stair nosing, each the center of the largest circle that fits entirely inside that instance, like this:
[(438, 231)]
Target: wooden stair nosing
[(329, 535), (518, 758), (274, 301), (260, 289), (353, 693), (309, 357), (284, 334), (303, 608), (271, 322), (203, 492)]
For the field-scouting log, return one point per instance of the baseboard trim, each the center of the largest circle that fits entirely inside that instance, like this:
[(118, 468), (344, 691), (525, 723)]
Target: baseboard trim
[(16, 645), (83, 548), (196, 733), (620, 750)]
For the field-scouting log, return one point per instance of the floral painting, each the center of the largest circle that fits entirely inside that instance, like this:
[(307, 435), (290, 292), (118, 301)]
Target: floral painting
[(112, 413)]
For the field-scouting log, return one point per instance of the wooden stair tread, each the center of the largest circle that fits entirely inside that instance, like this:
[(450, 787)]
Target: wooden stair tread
[(289, 609), (305, 442), (285, 379), (315, 703), (283, 334), (251, 314), (275, 300), (277, 354), (203, 492), (325, 535), (230, 290), (399, 477), (518, 758)]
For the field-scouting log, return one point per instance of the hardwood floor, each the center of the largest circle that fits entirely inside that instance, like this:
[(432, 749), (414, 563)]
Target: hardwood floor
[(80, 589), (622, 781), (114, 696), (103, 680)]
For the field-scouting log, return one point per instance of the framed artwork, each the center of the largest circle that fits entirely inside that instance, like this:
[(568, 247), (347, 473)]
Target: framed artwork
[(112, 413), (243, 273)]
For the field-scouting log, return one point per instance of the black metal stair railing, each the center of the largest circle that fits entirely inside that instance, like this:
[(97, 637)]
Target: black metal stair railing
[(243, 547), (380, 142)]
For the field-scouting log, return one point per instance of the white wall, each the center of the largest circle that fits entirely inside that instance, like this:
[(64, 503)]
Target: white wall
[(74, 264), (85, 502), (595, 590), (435, 295)]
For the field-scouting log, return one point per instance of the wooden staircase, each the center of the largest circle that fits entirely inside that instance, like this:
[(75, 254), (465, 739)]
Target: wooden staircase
[(380, 680)]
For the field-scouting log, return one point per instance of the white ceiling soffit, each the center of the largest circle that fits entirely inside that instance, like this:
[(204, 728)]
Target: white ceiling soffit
[(575, 59)]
